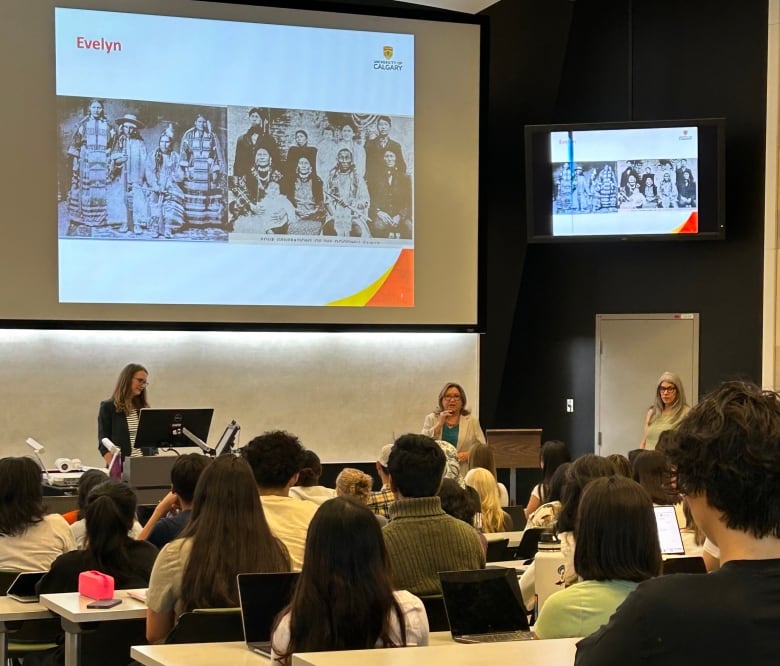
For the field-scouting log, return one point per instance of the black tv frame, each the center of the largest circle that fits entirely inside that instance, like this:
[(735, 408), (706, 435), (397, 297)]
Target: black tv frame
[(162, 428), (711, 179)]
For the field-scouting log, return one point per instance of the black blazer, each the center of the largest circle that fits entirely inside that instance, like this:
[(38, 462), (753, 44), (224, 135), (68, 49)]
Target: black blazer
[(113, 424)]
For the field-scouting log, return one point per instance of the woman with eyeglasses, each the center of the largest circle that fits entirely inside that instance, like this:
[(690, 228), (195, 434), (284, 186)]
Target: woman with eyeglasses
[(118, 415), (453, 423), (666, 412)]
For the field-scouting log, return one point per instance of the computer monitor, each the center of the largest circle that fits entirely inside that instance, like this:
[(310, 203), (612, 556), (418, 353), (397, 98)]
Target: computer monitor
[(160, 428)]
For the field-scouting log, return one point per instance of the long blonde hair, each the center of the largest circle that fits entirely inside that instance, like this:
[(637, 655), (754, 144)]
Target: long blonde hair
[(485, 484)]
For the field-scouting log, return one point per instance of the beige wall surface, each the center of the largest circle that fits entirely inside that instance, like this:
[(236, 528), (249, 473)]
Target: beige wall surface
[(344, 394)]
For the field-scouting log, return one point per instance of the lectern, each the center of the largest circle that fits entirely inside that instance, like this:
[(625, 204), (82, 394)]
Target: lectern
[(515, 448)]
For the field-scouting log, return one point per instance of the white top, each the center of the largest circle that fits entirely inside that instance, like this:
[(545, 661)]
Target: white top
[(317, 494), (38, 546), (503, 495), (415, 619), (79, 531), (289, 520)]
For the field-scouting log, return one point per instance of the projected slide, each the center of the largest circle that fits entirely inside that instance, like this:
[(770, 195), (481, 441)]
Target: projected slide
[(215, 162), (625, 181)]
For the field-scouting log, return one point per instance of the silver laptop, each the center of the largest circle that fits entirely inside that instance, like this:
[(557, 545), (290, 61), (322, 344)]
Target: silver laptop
[(484, 605), (668, 530), (262, 597)]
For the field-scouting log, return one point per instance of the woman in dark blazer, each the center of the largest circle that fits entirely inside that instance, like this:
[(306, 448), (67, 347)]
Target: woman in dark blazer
[(118, 415)]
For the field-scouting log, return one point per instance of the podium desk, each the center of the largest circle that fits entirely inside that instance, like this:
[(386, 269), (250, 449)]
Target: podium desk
[(76, 617), (12, 613)]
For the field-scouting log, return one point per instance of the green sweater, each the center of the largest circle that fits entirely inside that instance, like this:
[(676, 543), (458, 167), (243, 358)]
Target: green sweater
[(422, 540)]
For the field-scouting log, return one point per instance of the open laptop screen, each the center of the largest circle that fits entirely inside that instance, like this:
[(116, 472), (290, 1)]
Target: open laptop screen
[(483, 601), (668, 531), (262, 597)]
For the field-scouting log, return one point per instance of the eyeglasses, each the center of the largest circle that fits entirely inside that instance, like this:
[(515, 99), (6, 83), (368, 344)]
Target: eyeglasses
[(142, 382), (452, 397), (667, 389)]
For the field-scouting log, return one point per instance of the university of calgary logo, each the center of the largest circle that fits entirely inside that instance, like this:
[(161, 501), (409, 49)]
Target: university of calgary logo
[(388, 64)]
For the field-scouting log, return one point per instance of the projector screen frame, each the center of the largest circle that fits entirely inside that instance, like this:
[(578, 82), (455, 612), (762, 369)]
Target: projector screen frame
[(171, 317)]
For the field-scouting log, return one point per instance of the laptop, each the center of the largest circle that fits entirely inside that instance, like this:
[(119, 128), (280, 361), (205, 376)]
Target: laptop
[(484, 606), (23, 587), (668, 530), (262, 597)]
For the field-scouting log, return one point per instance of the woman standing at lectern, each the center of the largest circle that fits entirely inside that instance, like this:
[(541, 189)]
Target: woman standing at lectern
[(118, 416), (453, 423)]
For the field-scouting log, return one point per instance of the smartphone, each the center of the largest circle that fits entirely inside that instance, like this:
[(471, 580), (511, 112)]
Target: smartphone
[(104, 603)]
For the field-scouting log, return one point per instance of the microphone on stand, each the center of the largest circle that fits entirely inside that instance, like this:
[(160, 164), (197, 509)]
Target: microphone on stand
[(37, 450), (114, 450)]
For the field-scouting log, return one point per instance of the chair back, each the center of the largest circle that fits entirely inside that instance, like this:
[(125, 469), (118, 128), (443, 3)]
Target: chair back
[(7, 576), (517, 514), (208, 625), (529, 544), (497, 550), (436, 612)]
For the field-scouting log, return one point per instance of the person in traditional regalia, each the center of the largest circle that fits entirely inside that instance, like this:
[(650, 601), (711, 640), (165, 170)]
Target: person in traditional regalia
[(129, 161), (90, 147), (203, 191), (346, 197), (164, 175)]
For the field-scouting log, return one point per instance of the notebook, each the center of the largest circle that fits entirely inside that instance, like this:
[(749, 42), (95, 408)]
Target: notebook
[(484, 605), (668, 530), (23, 587), (262, 597)]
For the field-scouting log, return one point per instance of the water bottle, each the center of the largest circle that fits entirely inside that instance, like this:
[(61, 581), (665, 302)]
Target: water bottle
[(550, 568)]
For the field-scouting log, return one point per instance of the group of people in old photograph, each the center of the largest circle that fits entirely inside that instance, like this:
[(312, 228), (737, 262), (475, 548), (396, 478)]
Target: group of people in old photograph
[(351, 180), (606, 187), (297, 173)]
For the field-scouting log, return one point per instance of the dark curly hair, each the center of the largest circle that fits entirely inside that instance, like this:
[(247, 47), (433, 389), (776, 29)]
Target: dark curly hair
[(728, 447), (275, 457)]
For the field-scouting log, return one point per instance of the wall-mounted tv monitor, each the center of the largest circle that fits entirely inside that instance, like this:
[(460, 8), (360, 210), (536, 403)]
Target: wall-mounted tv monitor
[(622, 181), (205, 163)]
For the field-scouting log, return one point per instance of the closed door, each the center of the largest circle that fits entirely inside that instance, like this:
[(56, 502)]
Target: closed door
[(632, 351)]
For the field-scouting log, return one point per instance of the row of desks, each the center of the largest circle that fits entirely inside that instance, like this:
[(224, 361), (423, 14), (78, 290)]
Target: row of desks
[(71, 608)]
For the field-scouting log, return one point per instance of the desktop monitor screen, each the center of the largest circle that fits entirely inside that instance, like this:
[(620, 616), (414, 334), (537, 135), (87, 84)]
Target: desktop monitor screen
[(159, 428)]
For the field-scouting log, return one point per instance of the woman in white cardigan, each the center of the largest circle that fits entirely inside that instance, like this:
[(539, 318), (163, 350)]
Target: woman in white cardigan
[(453, 422)]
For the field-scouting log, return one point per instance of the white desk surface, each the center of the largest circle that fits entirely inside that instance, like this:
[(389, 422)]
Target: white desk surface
[(72, 606), (558, 652), (12, 610), (517, 565), (197, 654), (514, 537)]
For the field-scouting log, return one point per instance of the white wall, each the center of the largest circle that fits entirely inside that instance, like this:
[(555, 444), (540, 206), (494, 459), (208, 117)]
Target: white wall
[(343, 394)]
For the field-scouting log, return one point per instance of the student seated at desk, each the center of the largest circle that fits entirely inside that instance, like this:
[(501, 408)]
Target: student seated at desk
[(494, 518), (88, 481), (617, 548), (582, 471), (30, 540), (344, 599), (227, 535), (109, 514), (547, 514)]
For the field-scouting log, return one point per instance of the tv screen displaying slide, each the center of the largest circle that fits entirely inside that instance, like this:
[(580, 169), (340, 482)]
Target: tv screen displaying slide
[(210, 163), (625, 180)]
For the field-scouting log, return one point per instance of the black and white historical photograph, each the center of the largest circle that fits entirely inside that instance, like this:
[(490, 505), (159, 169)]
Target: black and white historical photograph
[(305, 173), (134, 170), (585, 187), (657, 183)]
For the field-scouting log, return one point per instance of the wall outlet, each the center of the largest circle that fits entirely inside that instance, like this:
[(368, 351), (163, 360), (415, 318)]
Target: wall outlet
[(570, 405)]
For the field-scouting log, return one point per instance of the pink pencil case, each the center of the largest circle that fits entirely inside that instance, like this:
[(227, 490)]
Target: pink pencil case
[(96, 585)]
